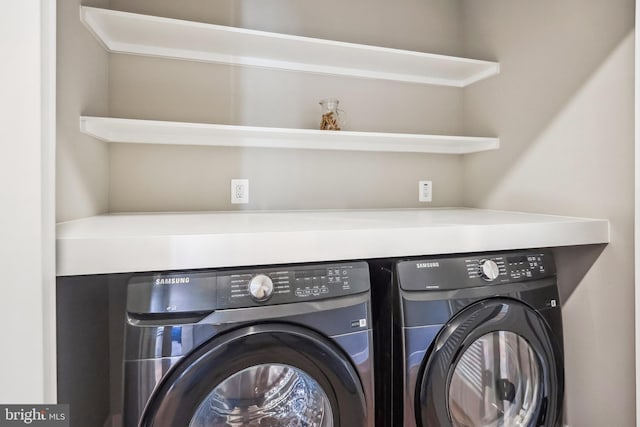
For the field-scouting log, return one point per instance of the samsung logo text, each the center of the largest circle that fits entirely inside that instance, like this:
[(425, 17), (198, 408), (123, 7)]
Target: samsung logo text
[(427, 264), (172, 281)]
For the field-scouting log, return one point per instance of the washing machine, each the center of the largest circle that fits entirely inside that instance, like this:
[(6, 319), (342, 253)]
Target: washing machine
[(480, 340), (275, 346)]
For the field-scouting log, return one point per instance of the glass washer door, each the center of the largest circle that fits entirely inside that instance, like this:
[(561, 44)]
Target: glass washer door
[(275, 395), (495, 383), (268, 374), (494, 364)]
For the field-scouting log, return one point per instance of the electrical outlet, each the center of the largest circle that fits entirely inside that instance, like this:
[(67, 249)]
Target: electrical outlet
[(425, 191), (239, 191)]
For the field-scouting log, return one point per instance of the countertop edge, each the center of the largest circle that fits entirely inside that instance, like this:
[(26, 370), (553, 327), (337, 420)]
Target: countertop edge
[(122, 254)]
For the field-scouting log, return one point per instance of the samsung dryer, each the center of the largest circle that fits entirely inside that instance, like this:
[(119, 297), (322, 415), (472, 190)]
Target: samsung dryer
[(481, 340), (274, 346)]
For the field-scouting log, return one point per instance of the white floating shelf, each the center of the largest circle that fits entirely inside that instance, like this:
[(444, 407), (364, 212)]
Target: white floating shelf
[(173, 241), (179, 133), (122, 32)]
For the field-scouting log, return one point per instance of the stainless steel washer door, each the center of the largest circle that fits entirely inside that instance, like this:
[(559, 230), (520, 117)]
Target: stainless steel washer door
[(275, 395)]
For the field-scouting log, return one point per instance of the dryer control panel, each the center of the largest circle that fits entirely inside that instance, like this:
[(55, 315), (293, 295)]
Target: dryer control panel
[(465, 271), (291, 284), (205, 291)]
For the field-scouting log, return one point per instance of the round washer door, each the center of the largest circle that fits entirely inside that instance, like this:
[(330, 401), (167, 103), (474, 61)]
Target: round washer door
[(494, 364), (264, 375)]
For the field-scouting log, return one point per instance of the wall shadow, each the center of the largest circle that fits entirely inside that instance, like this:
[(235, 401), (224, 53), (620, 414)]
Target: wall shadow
[(573, 263)]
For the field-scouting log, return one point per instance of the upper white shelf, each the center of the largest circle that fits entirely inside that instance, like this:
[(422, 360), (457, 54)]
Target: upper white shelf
[(123, 32), (174, 241), (180, 133)]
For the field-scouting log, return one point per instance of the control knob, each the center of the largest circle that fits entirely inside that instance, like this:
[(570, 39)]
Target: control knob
[(260, 287), (489, 270)]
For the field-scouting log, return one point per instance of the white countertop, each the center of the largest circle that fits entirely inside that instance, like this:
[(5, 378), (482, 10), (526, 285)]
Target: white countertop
[(171, 241)]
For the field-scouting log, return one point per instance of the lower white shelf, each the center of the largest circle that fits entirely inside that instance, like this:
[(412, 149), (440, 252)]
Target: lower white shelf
[(173, 241), (180, 133)]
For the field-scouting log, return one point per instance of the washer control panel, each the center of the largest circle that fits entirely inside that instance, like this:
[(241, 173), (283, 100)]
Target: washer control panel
[(507, 267), (266, 286), (464, 271), (529, 266), (201, 291)]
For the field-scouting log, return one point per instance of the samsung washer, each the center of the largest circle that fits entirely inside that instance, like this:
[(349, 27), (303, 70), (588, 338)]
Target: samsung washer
[(480, 341), (276, 346)]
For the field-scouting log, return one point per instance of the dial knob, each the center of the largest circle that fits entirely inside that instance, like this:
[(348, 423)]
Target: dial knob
[(260, 287), (489, 270)]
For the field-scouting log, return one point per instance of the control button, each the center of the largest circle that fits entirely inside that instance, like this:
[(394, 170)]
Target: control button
[(316, 291), (260, 287), (489, 270)]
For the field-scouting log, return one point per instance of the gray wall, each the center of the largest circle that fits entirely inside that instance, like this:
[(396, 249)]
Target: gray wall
[(93, 177), (563, 108), (198, 178), (82, 169)]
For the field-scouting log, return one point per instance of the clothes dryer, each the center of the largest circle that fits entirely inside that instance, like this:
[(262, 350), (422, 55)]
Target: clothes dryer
[(275, 346), (481, 340)]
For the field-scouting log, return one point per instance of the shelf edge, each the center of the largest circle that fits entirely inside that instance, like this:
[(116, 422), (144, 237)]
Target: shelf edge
[(88, 16), (118, 130)]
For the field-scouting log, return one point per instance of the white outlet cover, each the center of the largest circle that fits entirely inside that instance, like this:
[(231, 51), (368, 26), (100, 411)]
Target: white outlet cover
[(425, 191), (239, 191)]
